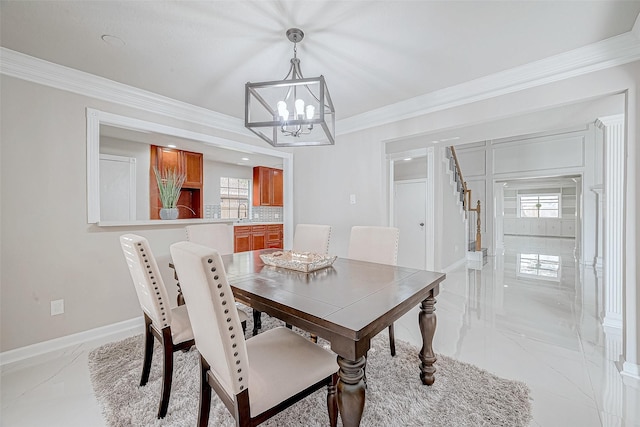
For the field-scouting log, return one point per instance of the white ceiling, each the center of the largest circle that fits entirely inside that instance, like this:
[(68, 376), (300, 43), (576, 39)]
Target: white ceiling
[(372, 53)]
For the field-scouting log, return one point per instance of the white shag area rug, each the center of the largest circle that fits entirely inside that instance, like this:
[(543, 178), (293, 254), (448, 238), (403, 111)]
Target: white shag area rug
[(462, 395)]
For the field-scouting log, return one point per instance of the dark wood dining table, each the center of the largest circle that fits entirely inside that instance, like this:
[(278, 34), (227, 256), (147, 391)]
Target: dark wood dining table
[(347, 304)]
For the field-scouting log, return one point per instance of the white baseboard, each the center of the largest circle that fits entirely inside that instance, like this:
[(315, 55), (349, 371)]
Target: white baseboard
[(631, 370), (451, 267), (127, 327)]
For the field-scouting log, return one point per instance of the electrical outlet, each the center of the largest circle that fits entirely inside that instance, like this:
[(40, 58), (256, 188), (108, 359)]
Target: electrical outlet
[(57, 307), (256, 216), (352, 199), (277, 216)]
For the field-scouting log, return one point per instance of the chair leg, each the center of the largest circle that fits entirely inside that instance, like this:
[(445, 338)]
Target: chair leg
[(205, 395), (257, 321), (313, 338), (332, 401), (392, 340), (244, 327), (148, 351), (167, 373)]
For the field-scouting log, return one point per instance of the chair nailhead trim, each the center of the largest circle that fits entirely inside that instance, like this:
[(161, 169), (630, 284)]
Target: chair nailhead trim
[(151, 275), (232, 335)]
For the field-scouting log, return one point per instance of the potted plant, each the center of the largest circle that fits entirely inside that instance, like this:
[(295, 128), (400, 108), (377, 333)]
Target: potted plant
[(169, 185)]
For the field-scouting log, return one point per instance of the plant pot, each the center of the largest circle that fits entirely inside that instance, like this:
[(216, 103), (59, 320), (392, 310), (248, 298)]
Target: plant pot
[(169, 213)]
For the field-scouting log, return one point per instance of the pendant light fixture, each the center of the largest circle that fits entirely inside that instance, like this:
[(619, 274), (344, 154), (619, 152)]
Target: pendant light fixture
[(292, 112)]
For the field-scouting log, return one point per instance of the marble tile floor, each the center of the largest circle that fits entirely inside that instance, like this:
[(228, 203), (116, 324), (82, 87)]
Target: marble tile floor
[(530, 314)]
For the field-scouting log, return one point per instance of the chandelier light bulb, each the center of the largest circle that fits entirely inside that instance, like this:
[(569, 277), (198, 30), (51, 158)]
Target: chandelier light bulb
[(299, 108), (282, 110), (311, 111)]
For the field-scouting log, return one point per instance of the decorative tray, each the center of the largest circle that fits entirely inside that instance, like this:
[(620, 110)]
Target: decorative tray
[(299, 261)]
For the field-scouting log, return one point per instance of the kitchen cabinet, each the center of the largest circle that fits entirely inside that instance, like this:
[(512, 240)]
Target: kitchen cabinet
[(275, 236), (267, 186), (255, 237), (190, 203)]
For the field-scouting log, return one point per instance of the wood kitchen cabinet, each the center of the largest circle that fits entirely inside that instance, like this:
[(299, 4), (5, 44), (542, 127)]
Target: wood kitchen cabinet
[(255, 237), (267, 186), (191, 196), (242, 238), (275, 236)]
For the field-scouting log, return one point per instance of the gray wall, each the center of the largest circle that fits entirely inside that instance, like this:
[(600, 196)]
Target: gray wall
[(48, 251)]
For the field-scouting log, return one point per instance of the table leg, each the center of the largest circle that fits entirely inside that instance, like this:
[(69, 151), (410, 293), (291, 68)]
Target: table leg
[(180, 297), (427, 321), (351, 390)]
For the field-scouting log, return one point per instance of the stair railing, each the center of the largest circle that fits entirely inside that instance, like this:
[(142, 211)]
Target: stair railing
[(466, 197)]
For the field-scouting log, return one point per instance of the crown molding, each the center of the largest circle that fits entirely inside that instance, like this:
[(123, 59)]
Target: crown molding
[(25, 67), (611, 52), (615, 51)]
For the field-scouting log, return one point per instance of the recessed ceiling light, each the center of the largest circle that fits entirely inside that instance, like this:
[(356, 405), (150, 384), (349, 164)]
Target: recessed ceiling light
[(453, 138), (407, 159), (112, 40), (246, 159), (171, 146)]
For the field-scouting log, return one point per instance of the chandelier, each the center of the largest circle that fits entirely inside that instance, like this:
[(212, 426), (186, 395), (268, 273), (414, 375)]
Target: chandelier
[(295, 111)]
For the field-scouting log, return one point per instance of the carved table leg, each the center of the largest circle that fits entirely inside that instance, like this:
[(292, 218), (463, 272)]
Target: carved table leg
[(257, 321), (351, 390), (180, 297), (427, 321)]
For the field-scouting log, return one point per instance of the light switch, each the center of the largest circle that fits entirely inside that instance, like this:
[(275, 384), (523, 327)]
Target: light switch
[(352, 199)]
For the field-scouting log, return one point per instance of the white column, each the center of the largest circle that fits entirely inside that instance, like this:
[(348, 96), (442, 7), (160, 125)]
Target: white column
[(614, 198), (597, 261)]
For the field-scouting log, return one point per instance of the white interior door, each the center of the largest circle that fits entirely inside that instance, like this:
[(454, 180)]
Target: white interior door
[(410, 207), (117, 188)]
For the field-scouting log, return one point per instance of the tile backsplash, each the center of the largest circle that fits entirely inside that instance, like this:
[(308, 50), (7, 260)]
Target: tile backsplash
[(258, 213)]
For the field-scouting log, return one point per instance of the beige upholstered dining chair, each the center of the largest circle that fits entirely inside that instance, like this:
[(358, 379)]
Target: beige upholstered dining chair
[(220, 238), (312, 238), (215, 236), (255, 378), (379, 245), (170, 326)]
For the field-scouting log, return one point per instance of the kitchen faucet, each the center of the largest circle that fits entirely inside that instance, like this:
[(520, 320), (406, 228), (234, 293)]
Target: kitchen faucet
[(246, 210)]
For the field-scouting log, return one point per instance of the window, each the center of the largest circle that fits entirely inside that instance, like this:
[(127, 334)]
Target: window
[(539, 205), (234, 198)]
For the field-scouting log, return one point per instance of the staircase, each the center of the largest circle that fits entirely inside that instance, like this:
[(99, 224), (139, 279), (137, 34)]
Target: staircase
[(475, 252)]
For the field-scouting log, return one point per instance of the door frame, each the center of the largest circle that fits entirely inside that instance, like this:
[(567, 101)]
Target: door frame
[(429, 155)]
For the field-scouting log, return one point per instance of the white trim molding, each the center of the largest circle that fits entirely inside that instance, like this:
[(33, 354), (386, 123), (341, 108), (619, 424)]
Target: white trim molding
[(611, 52), (614, 207), (25, 67), (34, 351)]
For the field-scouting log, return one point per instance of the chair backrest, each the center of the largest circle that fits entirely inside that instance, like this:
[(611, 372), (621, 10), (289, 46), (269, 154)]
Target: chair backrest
[(214, 236), (148, 283), (212, 312), (374, 244), (312, 238)]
